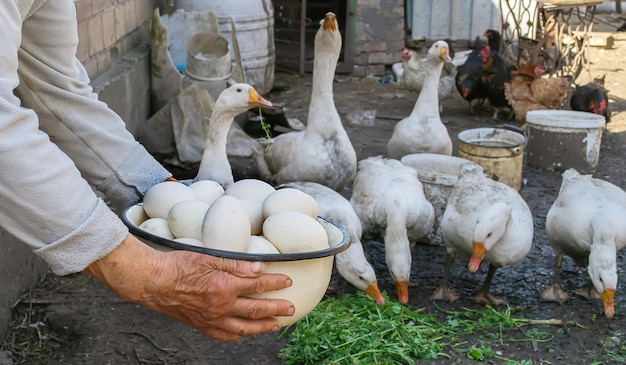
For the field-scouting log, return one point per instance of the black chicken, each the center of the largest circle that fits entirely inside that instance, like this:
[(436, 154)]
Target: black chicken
[(468, 77), (494, 39), (592, 98), (496, 43), (496, 71)]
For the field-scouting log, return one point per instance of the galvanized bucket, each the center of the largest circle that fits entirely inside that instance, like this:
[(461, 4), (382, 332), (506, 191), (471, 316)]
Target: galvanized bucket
[(499, 151)]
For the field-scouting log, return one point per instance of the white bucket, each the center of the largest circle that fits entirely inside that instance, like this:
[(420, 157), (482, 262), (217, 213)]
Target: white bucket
[(438, 174), (562, 139), (208, 57), (254, 24)]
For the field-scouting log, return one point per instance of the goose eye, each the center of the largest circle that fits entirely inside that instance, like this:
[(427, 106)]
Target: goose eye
[(239, 90)]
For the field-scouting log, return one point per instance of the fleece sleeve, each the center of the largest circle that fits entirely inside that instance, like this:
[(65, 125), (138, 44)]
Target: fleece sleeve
[(57, 141)]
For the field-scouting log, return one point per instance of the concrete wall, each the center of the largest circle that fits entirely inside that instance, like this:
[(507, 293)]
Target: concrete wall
[(114, 47)]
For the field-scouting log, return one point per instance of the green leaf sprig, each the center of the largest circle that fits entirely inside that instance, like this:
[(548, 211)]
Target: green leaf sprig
[(267, 129)]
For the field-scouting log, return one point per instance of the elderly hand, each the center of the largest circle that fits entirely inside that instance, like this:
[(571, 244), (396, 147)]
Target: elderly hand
[(202, 291)]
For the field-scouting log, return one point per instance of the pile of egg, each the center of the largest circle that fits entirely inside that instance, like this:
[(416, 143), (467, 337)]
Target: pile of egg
[(250, 216)]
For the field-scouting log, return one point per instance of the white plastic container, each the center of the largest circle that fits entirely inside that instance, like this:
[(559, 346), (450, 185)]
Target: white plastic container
[(562, 139)]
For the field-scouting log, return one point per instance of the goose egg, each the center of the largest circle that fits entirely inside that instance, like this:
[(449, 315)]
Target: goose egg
[(207, 190), (158, 227), (226, 225), (294, 232), (289, 200), (251, 189), (258, 244), (185, 218), (160, 198), (255, 212)]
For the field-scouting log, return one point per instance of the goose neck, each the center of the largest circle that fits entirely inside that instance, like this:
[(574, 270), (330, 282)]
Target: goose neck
[(219, 125)]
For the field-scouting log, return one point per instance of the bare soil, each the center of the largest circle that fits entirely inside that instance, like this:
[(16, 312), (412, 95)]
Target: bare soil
[(74, 320)]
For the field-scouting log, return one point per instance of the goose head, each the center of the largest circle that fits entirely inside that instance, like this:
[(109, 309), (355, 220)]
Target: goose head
[(328, 36), (352, 266), (602, 270), (239, 98), (439, 52), (489, 229)]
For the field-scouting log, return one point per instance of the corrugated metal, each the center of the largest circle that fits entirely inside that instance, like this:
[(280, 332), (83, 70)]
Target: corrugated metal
[(464, 20)]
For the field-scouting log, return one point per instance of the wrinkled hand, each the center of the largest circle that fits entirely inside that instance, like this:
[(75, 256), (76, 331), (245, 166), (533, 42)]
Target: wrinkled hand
[(202, 291)]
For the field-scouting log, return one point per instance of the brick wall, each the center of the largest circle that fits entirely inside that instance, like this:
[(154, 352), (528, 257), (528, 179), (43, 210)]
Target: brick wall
[(379, 35), (107, 29)]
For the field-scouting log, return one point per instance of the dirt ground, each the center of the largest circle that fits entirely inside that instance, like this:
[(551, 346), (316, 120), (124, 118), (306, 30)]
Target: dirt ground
[(74, 320)]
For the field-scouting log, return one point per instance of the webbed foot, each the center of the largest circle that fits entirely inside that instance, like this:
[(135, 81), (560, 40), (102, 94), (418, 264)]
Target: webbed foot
[(488, 298), (554, 293), (445, 292)]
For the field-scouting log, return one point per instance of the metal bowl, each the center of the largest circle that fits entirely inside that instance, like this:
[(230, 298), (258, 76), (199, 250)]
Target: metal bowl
[(309, 271)]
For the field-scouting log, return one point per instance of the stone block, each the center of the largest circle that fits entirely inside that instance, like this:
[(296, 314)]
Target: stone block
[(96, 39), (108, 28), (83, 9)]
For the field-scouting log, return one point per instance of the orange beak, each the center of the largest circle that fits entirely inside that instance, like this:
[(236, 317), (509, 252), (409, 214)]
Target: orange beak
[(402, 287), (254, 99), (373, 291), (444, 54), (329, 22), (608, 297), (478, 253)]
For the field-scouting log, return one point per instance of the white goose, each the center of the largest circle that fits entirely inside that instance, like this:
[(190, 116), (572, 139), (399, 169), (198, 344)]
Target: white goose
[(586, 222), (351, 263), (484, 220), (323, 152), (422, 130), (236, 99), (389, 199)]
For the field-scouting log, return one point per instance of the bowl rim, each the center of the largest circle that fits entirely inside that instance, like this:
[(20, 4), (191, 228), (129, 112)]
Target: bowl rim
[(296, 256)]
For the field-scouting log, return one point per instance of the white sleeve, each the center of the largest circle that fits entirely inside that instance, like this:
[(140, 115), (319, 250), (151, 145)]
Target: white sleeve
[(57, 141)]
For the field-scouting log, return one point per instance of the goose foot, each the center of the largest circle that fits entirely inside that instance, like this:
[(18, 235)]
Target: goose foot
[(488, 298), (554, 293), (588, 292), (445, 292)]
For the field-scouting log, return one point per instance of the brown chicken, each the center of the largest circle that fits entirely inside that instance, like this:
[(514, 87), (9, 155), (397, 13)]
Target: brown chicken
[(528, 91)]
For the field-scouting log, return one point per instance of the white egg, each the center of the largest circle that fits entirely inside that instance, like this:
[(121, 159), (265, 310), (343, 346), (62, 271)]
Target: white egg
[(226, 225), (295, 232), (258, 244), (250, 189), (185, 218), (189, 241), (289, 200), (160, 198), (136, 215), (255, 212), (207, 190), (158, 227)]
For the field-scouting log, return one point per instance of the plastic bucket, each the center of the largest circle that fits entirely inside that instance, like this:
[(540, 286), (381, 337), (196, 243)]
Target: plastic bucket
[(562, 139), (254, 24), (499, 151), (438, 174), (208, 57)]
